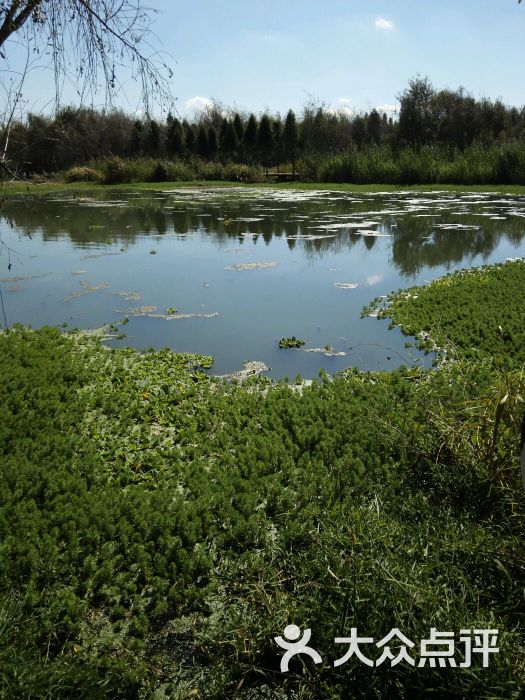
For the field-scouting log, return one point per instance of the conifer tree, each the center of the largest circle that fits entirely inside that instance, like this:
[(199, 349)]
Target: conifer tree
[(222, 133), (230, 143), (213, 144), (175, 139), (250, 137), (238, 126), (189, 138), (265, 141), (153, 138), (291, 138), (202, 142), (373, 127)]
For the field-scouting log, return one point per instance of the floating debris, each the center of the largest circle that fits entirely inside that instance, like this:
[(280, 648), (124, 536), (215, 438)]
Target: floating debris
[(251, 266), (457, 227), (151, 312), (251, 369), (21, 278), (326, 352), (129, 296), (346, 285), (93, 256), (87, 289)]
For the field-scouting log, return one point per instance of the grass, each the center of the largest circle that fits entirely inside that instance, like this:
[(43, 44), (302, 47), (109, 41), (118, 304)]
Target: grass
[(173, 524), (53, 186)]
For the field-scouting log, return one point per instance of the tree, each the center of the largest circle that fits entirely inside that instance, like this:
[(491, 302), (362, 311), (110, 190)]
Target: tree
[(213, 144), (373, 127), (189, 138), (202, 142), (175, 139), (415, 116), (359, 131), (265, 141), (239, 129), (291, 138), (87, 38), (152, 141), (87, 42), (250, 137), (230, 142)]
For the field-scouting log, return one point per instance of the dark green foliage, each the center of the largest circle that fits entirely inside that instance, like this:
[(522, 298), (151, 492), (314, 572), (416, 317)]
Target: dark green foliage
[(239, 129), (152, 139), (135, 141), (467, 140), (213, 144), (202, 142), (471, 313), (229, 139), (373, 127), (291, 138), (189, 138), (291, 342), (250, 135), (175, 139), (265, 141), (159, 527)]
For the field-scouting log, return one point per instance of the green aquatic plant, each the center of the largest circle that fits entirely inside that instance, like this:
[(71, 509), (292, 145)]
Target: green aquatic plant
[(291, 342), (470, 313), (160, 526)]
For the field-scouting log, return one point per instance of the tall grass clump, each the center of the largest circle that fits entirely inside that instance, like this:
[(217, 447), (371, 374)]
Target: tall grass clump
[(497, 164)]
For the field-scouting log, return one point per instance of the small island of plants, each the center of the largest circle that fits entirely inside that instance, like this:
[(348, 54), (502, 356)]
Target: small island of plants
[(291, 342)]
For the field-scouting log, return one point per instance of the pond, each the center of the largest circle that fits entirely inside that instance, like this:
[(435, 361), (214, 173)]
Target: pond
[(230, 271)]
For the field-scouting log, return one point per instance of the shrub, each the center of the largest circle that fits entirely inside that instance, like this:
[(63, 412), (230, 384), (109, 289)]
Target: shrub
[(237, 172), (82, 173), (117, 171)]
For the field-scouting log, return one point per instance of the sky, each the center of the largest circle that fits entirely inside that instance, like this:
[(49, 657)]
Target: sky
[(346, 54)]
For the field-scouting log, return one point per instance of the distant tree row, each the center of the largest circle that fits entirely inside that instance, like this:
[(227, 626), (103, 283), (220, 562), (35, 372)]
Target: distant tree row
[(426, 116)]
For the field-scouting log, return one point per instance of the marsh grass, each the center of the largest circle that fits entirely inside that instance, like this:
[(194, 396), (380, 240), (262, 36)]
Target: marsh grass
[(173, 524)]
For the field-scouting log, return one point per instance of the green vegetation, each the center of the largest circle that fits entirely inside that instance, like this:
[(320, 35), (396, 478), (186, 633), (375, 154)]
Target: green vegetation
[(472, 313), (441, 136), (159, 554), (497, 164), (291, 342), (35, 188)]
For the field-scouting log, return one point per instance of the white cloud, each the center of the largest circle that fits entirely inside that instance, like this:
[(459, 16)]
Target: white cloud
[(198, 103), (384, 24), (374, 279), (386, 108), (345, 100)]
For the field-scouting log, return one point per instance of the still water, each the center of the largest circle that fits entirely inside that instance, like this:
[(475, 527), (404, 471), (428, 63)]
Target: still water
[(228, 272)]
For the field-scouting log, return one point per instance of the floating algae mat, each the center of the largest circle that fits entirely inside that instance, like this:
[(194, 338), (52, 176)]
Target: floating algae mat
[(241, 267)]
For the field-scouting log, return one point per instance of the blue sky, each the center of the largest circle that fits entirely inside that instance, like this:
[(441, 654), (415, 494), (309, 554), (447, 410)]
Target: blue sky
[(352, 54)]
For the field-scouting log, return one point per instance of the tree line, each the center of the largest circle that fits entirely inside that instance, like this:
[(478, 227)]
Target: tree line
[(426, 116)]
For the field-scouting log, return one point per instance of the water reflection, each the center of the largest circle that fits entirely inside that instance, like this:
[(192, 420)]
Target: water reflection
[(334, 252), (417, 241)]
